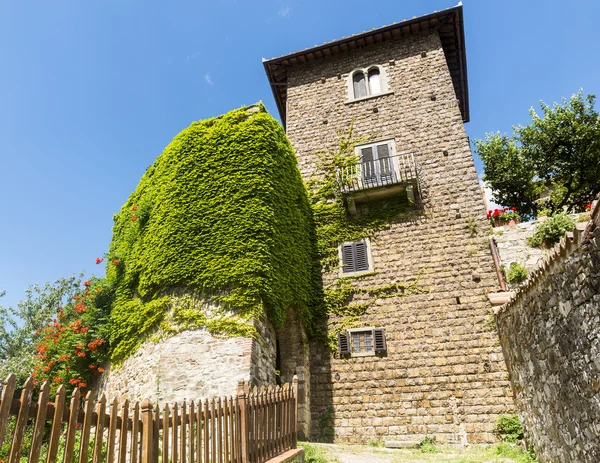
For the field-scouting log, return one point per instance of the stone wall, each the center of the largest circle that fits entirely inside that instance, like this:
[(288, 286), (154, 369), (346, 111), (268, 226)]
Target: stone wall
[(511, 242), (444, 374), (294, 360), (550, 335), (192, 364)]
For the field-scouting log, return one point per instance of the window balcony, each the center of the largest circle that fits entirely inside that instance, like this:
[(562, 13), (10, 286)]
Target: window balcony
[(379, 178)]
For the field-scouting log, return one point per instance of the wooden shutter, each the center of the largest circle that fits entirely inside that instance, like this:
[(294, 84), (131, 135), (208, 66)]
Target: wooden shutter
[(379, 340), (343, 343), (355, 257), (348, 261), (367, 164), (361, 261), (383, 158)]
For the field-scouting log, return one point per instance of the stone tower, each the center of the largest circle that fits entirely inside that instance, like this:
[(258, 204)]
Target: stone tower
[(422, 359)]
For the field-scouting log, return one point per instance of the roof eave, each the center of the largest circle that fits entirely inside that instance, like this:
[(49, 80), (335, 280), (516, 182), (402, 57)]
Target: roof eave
[(271, 64)]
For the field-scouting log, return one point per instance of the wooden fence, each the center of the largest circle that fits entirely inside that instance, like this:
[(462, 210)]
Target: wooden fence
[(251, 427)]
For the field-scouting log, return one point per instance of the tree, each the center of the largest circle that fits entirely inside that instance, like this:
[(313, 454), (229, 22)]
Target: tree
[(557, 154), (20, 326)]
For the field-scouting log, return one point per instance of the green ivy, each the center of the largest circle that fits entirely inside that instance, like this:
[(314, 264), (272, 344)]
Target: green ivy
[(334, 226), (223, 213), (339, 300), (132, 322)]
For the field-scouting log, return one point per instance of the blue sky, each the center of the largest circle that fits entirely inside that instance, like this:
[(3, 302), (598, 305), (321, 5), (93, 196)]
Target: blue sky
[(91, 93)]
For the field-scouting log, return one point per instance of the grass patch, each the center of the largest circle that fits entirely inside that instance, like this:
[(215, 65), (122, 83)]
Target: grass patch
[(316, 454), (497, 453)]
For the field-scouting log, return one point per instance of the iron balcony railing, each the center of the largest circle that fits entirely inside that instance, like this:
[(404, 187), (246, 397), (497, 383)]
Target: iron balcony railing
[(392, 170)]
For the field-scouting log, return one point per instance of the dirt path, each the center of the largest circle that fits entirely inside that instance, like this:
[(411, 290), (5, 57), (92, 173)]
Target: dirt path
[(339, 453), (365, 454)]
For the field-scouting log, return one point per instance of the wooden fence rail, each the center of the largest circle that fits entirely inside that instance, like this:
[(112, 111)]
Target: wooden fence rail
[(251, 427)]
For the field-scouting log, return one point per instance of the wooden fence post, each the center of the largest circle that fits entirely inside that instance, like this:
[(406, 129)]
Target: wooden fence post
[(147, 431), (241, 400), (295, 409)]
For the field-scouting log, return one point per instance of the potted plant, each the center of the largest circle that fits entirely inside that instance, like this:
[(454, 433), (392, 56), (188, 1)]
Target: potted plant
[(500, 217)]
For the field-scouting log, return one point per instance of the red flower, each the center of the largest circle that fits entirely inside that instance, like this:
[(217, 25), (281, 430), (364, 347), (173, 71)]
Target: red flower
[(101, 370), (84, 329), (514, 209), (116, 261), (80, 308), (82, 385), (92, 365), (74, 381), (133, 218), (134, 208), (588, 207), (46, 369), (99, 260), (86, 283), (57, 379)]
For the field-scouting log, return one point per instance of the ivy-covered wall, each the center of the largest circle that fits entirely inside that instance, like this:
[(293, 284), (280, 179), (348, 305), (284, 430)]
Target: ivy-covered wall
[(222, 214)]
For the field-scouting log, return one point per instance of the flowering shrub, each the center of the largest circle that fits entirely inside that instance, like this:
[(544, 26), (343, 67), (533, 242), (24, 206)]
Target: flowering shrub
[(503, 215), (73, 345)]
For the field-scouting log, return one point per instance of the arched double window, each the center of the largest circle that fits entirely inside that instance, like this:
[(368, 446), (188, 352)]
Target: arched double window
[(367, 83)]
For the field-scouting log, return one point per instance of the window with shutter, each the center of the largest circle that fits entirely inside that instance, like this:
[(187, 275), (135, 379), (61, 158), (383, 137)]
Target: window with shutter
[(378, 164), (364, 342), (355, 257)]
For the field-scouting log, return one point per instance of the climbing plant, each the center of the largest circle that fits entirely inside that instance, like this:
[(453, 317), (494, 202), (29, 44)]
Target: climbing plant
[(222, 213), (333, 226)]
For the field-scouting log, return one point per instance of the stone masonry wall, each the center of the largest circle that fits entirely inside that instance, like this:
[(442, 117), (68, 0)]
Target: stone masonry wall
[(550, 335), (444, 374), (512, 244), (192, 364)]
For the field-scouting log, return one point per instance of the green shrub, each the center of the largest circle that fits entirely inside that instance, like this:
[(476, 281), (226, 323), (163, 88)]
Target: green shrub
[(516, 274), (509, 429), (429, 445), (551, 230)]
